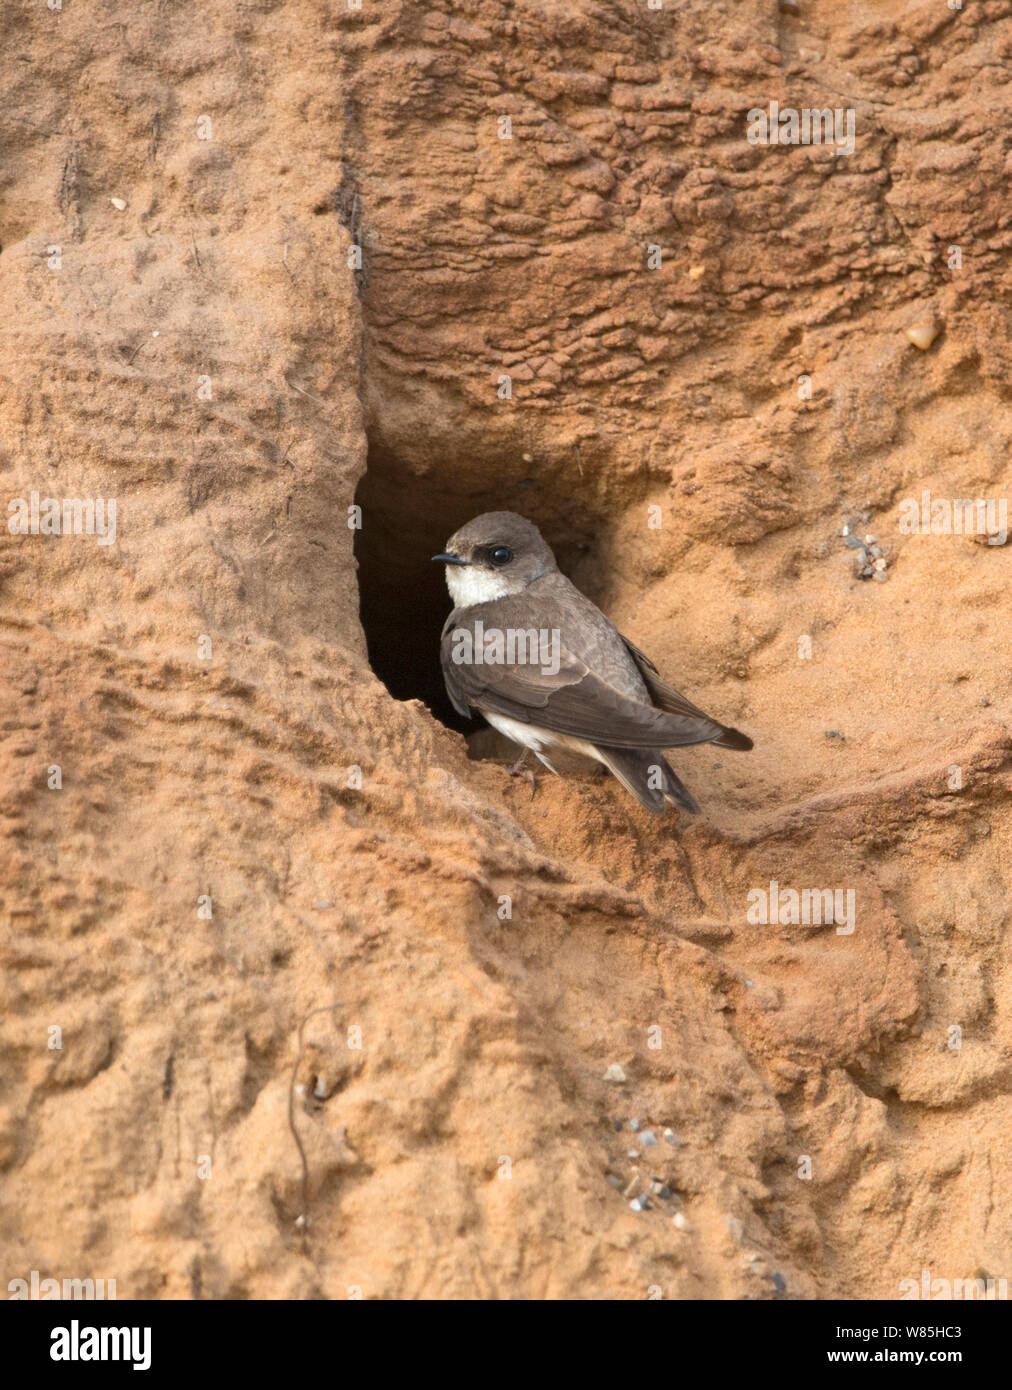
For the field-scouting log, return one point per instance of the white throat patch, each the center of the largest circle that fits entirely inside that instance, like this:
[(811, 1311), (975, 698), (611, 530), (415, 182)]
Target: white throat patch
[(470, 584)]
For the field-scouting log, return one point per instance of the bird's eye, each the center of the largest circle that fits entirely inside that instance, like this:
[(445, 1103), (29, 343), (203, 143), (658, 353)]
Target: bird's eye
[(501, 555)]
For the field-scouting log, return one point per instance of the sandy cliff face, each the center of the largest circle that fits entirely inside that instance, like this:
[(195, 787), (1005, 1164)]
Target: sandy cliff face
[(267, 895)]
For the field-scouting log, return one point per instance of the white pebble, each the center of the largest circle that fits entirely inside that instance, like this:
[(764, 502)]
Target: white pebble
[(923, 334)]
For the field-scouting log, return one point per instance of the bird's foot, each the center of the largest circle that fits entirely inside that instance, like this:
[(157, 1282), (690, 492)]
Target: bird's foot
[(519, 770)]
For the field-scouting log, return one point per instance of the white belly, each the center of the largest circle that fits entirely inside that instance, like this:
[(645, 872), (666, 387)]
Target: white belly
[(529, 736)]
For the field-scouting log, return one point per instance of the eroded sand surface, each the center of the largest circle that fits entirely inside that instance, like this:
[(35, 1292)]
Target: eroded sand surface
[(470, 1146)]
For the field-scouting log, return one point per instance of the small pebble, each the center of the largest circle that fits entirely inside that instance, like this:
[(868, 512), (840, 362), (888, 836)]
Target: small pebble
[(779, 1282), (634, 1125), (672, 1138), (790, 7), (322, 905), (320, 1089), (924, 333), (640, 1204), (613, 1181), (869, 540), (648, 1139), (118, 204), (696, 272), (681, 1221), (614, 1073), (632, 1153), (880, 564), (985, 703)]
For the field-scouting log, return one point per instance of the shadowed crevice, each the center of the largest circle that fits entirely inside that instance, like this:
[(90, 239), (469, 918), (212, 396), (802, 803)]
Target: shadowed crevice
[(406, 519)]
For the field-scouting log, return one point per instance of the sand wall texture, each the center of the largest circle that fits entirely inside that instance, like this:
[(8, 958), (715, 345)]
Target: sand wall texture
[(267, 1028)]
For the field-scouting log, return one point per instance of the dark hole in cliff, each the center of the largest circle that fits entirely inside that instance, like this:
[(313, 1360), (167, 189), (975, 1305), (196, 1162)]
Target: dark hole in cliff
[(408, 512)]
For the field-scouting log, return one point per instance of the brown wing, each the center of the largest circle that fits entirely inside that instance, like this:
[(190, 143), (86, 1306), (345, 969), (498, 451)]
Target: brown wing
[(572, 700), (666, 697)]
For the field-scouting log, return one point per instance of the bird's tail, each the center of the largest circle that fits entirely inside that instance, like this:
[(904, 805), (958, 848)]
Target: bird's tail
[(645, 773), (733, 738)]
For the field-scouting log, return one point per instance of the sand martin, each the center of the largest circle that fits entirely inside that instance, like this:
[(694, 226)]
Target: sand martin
[(547, 669)]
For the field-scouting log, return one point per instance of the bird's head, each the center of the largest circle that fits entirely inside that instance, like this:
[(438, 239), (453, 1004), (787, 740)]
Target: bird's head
[(496, 554)]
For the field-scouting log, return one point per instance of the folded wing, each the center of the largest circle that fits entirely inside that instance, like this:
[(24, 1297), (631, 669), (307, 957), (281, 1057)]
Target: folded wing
[(573, 700), (666, 697)]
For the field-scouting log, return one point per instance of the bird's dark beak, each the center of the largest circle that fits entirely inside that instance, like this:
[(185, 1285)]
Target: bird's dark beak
[(447, 559)]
